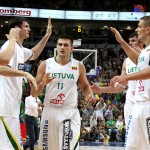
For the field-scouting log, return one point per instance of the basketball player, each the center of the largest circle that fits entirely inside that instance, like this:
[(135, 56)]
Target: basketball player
[(11, 87), (60, 123), (138, 128), (127, 68)]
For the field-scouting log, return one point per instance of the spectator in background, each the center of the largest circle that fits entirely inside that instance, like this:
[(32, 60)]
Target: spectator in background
[(108, 113), (111, 127), (100, 108), (32, 110)]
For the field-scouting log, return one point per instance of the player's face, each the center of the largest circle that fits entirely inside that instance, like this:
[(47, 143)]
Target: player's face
[(25, 30), (141, 31), (64, 47), (133, 41)]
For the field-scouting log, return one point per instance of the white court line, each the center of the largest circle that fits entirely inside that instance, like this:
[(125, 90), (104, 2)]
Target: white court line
[(100, 148)]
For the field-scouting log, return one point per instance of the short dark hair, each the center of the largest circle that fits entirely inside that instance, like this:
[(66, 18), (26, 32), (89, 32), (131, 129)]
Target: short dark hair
[(133, 34), (16, 21), (65, 36)]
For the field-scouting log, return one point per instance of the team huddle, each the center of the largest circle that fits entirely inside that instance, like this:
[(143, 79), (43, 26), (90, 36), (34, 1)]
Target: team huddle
[(60, 76)]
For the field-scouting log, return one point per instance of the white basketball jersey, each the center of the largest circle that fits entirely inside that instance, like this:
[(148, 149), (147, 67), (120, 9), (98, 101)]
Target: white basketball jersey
[(143, 86), (11, 87), (62, 91), (130, 68)]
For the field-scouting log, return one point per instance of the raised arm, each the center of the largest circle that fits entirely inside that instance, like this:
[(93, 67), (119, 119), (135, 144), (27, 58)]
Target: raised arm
[(132, 54), (40, 46), (6, 54)]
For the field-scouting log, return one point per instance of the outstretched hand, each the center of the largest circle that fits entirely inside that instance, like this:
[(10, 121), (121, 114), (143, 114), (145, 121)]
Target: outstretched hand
[(94, 87), (90, 99), (137, 49), (120, 79), (117, 35), (45, 80), (49, 27), (41, 85)]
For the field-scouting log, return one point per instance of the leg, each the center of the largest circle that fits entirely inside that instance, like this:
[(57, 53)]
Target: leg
[(69, 131), (30, 121), (36, 131), (10, 139)]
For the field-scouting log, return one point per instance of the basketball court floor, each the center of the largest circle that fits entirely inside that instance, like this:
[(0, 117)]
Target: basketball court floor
[(99, 146)]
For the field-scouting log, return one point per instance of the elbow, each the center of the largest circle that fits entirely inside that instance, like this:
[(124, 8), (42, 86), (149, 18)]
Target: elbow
[(4, 62)]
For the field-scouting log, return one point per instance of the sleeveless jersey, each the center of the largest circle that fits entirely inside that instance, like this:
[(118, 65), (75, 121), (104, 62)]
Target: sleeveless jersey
[(143, 86), (62, 91), (130, 68), (11, 87)]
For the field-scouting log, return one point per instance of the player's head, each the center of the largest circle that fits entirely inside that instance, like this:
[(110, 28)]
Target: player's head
[(22, 23), (64, 44), (16, 22), (143, 29), (134, 41), (65, 37)]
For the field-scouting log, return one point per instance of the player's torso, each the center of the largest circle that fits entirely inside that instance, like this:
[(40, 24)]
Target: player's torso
[(12, 85), (130, 68), (143, 86), (63, 89)]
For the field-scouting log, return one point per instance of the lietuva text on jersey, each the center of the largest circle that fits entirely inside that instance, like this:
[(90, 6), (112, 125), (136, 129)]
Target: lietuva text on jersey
[(62, 75)]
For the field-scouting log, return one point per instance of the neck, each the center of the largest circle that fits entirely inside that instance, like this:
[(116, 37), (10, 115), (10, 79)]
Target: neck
[(147, 42), (19, 41), (62, 60)]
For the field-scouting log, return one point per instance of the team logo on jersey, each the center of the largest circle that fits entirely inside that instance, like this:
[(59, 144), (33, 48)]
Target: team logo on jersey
[(67, 134), (58, 100), (20, 66), (148, 127)]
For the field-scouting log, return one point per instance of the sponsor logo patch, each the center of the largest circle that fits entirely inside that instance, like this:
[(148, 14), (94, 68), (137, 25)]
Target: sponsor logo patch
[(67, 134)]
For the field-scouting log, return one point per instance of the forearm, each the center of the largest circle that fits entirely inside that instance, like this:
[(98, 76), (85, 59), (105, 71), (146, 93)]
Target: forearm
[(6, 71), (87, 91), (6, 55), (40, 46), (110, 89), (141, 75), (129, 51)]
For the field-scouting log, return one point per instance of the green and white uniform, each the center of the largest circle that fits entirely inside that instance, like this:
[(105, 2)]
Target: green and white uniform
[(60, 123), (10, 98), (130, 94), (138, 127)]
